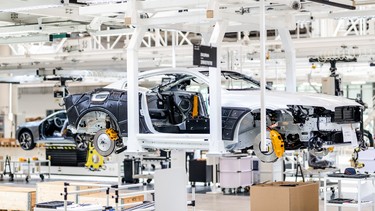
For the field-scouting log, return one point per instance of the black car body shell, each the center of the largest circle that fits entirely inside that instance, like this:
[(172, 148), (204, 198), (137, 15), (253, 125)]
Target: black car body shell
[(115, 105)]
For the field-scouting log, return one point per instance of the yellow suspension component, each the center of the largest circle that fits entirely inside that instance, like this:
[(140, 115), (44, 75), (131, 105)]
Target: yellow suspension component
[(194, 113), (94, 160), (354, 161), (330, 149), (112, 134), (277, 143)]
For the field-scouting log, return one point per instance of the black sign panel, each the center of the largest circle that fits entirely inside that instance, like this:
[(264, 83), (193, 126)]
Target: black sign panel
[(205, 56)]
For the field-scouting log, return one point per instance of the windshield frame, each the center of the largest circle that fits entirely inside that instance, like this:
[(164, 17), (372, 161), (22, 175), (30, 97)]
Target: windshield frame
[(241, 77), (200, 73)]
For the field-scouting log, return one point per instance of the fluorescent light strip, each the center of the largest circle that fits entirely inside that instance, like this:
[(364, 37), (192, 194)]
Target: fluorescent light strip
[(100, 1), (20, 9), (358, 82)]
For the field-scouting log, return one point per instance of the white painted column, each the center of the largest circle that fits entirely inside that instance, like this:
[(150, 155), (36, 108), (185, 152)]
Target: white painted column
[(216, 145), (7, 100), (174, 49), (4, 109), (263, 38), (178, 159), (290, 59), (371, 28), (133, 90)]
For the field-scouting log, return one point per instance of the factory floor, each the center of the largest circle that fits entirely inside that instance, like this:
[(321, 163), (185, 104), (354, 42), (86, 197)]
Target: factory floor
[(220, 202), (204, 201)]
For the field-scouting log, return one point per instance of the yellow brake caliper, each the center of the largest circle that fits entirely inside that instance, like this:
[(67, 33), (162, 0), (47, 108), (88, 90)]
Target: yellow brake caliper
[(112, 134), (277, 143)]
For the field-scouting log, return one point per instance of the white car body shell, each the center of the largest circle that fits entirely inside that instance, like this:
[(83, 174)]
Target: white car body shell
[(251, 98)]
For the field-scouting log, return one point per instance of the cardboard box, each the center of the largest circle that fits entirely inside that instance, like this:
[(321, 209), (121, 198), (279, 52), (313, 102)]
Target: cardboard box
[(285, 196)]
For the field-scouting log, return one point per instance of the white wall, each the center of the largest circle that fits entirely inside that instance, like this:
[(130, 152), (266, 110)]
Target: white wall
[(35, 105), (7, 107)]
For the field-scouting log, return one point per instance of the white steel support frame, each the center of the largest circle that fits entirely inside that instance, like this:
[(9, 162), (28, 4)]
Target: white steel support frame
[(216, 145), (174, 64), (263, 38), (133, 90), (290, 59)]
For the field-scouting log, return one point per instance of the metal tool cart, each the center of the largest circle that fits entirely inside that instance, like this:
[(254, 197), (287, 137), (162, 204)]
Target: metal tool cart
[(361, 198), (25, 168)]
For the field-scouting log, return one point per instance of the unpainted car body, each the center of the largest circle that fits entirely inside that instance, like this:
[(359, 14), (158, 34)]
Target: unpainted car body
[(177, 101)]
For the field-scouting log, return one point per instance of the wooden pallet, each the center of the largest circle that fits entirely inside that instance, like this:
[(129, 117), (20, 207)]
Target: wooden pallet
[(10, 210), (15, 198), (8, 142)]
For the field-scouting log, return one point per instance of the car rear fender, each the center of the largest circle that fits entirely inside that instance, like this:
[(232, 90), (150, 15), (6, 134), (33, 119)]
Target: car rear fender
[(100, 119)]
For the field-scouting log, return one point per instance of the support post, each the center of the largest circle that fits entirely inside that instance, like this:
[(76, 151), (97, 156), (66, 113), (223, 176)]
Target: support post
[(174, 49), (216, 144), (290, 55), (263, 38), (133, 90)]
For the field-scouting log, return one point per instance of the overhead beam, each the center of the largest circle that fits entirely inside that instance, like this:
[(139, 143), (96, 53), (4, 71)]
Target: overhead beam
[(335, 4), (335, 15), (67, 12), (44, 29), (24, 39), (20, 5), (146, 6), (187, 17), (287, 21)]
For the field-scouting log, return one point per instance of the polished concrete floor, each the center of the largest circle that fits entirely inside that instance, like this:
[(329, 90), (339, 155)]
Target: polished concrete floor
[(204, 201)]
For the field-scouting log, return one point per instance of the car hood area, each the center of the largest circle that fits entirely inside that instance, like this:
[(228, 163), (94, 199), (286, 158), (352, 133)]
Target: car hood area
[(30, 124), (280, 100)]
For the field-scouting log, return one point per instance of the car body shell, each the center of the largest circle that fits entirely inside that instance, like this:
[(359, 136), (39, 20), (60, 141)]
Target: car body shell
[(38, 133), (238, 106)]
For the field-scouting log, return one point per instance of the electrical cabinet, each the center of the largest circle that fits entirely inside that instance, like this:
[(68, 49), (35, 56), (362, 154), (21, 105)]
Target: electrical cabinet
[(199, 171)]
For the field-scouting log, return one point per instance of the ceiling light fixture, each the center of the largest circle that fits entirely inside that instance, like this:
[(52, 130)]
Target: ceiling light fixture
[(358, 82), (20, 9), (100, 1)]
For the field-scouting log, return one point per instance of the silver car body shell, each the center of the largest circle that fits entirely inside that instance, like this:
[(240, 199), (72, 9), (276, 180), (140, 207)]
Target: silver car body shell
[(34, 128)]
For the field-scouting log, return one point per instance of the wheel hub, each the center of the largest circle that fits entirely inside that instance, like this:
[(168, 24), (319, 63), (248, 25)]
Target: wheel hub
[(104, 142)]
